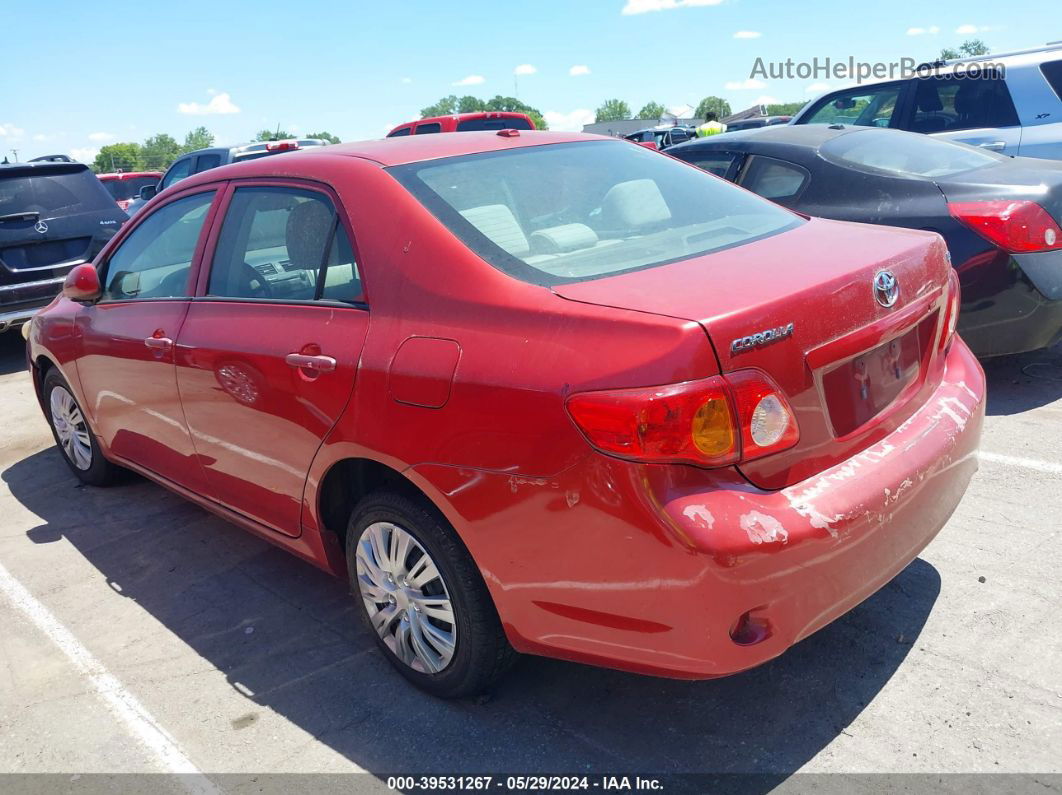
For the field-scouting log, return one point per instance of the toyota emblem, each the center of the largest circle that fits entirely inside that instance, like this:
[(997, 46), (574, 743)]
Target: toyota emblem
[(41, 227), (886, 288)]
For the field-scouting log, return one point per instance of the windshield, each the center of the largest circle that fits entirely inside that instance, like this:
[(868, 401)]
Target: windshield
[(65, 191), (570, 212), (908, 154), (122, 189)]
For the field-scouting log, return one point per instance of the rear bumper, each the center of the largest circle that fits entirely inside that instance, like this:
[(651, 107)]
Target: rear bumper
[(649, 568), (20, 302)]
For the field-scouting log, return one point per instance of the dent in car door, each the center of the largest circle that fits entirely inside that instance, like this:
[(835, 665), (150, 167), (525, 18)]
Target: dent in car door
[(267, 357)]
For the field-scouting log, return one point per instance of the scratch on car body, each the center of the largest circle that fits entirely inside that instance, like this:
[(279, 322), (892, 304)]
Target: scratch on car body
[(763, 529)]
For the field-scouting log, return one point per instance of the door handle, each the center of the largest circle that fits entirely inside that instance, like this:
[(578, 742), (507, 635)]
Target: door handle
[(319, 364), (159, 343), (995, 146)]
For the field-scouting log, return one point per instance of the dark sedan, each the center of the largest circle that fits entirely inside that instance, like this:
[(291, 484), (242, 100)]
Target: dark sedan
[(999, 215)]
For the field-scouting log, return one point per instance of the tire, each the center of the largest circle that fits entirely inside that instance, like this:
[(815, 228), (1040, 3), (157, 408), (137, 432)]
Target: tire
[(75, 440), (411, 612)]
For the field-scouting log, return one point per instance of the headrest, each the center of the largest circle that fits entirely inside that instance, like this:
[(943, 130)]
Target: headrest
[(927, 98), (307, 233), (560, 239), (498, 223), (633, 204)]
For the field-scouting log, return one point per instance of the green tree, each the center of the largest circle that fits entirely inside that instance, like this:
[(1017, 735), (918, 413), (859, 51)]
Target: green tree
[(325, 136), (470, 104), (114, 157), (159, 151), (199, 138), (784, 108), (949, 54), (613, 110), (970, 48), (273, 135), (718, 105), (652, 110), (446, 106)]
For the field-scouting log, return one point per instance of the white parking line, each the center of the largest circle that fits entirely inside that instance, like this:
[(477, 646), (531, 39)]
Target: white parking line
[(162, 748), (1016, 461)]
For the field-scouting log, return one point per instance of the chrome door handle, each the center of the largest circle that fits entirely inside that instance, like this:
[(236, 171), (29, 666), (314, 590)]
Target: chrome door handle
[(995, 146), (159, 343), (320, 364)]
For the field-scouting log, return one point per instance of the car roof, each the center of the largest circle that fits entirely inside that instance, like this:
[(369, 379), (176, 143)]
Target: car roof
[(478, 114), (40, 167), (810, 136)]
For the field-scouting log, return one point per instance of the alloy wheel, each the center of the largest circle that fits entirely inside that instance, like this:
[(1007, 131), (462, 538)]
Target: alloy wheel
[(406, 598), (70, 428)]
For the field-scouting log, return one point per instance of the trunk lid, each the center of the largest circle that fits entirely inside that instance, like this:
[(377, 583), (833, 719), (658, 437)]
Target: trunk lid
[(853, 369), (1025, 178)]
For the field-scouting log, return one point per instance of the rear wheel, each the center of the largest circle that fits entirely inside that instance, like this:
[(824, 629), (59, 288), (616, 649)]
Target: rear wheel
[(423, 597), (72, 434)]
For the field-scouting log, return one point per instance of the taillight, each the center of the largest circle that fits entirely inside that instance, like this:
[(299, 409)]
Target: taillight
[(1019, 226), (281, 146), (951, 314), (716, 421)]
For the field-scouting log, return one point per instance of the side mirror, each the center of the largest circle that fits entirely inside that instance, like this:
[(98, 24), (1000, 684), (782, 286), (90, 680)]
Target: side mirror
[(148, 192), (82, 283)]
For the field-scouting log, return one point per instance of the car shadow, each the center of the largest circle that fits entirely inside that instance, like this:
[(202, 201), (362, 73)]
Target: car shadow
[(309, 659), (1025, 381), (12, 352)]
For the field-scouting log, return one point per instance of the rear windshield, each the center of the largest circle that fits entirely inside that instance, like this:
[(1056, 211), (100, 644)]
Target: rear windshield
[(908, 154), (571, 212), (54, 191), (129, 188), (471, 125)]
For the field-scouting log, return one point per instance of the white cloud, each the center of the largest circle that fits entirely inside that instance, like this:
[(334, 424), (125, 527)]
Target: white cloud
[(101, 137), (747, 34), (572, 122), (579, 69), (817, 88), (10, 132), (932, 30), (524, 69), (220, 104), (44, 137), (471, 80), (967, 30), (751, 84), (86, 154), (407, 81), (645, 6)]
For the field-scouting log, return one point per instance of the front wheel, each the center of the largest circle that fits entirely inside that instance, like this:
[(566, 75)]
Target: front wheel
[(423, 597), (72, 434)]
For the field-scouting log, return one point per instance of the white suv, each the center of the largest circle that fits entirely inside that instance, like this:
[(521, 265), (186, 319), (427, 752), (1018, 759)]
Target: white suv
[(1016, 109)]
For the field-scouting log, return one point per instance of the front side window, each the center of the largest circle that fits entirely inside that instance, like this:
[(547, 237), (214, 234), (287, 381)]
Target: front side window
[(860, 107), (283, 244), (570, 212), (774, 179), (950, 103), (207, 162), (906, 154), (156, 259), (177, 172)]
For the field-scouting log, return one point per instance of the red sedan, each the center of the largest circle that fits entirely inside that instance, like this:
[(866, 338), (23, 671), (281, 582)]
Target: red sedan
[(533, 392)]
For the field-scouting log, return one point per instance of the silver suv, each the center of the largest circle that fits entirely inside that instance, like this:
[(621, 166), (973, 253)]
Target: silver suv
[(1016, 109)]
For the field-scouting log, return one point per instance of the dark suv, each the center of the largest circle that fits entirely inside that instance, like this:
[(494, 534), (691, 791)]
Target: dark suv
[(53, 215)]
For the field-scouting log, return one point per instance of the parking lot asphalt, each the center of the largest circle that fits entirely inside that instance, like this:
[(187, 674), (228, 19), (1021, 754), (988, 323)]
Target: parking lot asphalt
[(141, 634)]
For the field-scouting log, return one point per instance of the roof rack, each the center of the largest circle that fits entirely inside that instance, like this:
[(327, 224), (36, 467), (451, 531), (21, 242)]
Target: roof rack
[(1051, 45)]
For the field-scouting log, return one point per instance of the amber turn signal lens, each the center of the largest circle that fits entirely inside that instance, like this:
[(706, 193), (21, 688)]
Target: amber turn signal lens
[(713, 430)]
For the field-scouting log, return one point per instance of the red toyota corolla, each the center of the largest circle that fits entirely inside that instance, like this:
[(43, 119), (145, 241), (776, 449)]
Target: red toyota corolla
[(529, 391)]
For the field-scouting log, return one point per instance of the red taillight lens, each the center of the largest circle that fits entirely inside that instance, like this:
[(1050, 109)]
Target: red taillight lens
[(951, 314), (281, 146), (713, 422), (1019, 227)]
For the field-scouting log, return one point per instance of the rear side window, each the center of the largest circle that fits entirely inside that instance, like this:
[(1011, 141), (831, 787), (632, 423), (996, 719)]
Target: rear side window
[(52, 192), (773, 179), (717, 163), (472, 125), (570, 212), (154, 261), (432, 127), (283, 244), (949, 103), (1052, 71), (862, 107)]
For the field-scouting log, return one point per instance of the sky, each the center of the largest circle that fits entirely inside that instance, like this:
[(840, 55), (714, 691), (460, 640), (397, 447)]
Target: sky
[(77, 76)]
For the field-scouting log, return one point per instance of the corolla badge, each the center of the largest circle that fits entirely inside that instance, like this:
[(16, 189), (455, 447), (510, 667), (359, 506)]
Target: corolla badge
[(886, 288), (41, 227), (761, 338)]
